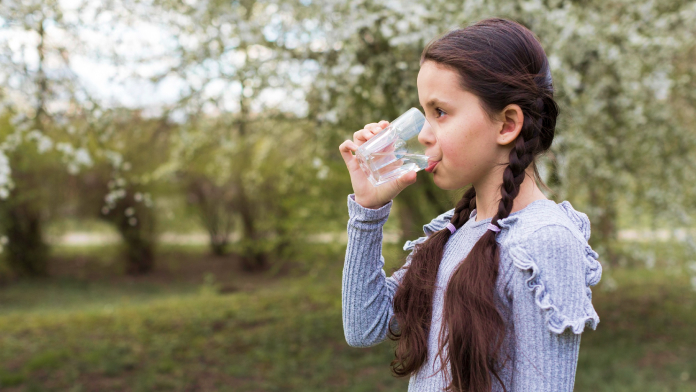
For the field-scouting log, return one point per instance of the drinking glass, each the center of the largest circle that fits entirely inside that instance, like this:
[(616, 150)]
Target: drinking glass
[(395, 150)]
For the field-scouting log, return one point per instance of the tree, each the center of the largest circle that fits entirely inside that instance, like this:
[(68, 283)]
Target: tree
[(280, 185), (121, 186), (39, 97), (244, 58), (35, 197)]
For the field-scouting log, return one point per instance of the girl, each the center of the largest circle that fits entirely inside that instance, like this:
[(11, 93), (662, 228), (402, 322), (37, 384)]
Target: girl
[(496, 295)]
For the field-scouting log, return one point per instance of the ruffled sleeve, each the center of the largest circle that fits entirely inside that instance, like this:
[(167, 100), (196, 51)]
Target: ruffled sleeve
[(555, 272), (437, 224)]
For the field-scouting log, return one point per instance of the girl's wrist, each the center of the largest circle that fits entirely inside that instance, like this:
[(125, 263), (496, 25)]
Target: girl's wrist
[(368, 205)]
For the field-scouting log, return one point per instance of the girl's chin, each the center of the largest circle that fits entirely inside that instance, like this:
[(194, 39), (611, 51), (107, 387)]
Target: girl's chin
[(439, 181), (442, 183)]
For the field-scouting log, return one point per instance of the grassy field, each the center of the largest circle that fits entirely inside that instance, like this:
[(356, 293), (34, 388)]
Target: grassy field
[(199, 324)]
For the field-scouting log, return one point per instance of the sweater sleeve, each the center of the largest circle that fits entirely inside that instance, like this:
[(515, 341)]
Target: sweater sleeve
[(366, 292), (551, 304)]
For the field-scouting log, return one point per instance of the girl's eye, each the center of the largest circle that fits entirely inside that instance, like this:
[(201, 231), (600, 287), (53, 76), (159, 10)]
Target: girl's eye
[(439, 112)]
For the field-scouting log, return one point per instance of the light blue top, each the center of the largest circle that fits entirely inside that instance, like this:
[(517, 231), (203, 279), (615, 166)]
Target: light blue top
[(546, 268)]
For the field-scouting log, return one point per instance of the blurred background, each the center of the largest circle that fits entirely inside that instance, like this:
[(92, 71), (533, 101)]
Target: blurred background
[(173, 203)]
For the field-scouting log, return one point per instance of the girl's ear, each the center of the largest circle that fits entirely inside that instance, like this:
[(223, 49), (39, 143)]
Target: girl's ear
[(513, 119)]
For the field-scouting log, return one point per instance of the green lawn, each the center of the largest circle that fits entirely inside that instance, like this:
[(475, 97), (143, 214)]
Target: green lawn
[(231, 332)]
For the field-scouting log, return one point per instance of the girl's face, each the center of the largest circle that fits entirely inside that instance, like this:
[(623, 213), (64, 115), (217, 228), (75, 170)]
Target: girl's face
[(458, 132)]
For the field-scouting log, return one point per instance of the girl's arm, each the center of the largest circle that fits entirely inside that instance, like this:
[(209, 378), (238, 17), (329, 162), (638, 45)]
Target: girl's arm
[(551, 304), (367, 292)]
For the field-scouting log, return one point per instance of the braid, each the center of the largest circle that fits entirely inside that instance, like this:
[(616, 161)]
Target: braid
[(521, 156), (463, 209)]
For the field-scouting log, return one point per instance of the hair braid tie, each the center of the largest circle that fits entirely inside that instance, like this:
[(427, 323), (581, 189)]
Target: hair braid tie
[(462, 211)]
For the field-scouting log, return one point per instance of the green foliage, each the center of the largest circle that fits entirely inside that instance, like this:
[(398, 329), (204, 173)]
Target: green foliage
[(269, 89), (121, 185), (262, 179)]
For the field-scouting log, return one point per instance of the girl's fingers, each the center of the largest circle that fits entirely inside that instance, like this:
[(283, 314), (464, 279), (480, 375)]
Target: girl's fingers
[(377, 127), (370, 130), (362, 136), (346, 148)]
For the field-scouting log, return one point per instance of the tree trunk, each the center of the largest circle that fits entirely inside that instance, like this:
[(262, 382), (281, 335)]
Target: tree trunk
[(27, 252), (215, 206), (137, 232), (253, 257), (139, 251), (604, 227), (218, 246)]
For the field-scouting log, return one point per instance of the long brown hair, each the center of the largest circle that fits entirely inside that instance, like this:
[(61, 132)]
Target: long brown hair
[(502, 63)]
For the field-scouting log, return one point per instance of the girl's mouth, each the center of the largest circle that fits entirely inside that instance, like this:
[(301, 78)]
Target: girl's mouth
[(431, 166)]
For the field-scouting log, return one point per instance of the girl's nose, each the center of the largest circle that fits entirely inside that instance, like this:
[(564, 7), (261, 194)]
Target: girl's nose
[(426, 136)]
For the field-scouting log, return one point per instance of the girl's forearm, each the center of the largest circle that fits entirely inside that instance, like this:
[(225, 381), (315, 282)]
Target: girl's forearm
[(366, 295)]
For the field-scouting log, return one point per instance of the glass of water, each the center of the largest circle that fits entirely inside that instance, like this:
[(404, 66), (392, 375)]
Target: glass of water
[(395, 150)]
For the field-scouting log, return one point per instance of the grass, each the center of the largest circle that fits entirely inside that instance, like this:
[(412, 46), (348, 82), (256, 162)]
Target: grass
[(277, 336), (259, 341), (185, 328), (645, 339)]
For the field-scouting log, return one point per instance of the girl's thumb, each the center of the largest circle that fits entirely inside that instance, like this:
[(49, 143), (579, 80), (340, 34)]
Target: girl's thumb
[(406, 180)]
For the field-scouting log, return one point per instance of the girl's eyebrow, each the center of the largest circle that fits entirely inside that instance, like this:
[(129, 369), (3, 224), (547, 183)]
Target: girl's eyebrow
[(435, 102)]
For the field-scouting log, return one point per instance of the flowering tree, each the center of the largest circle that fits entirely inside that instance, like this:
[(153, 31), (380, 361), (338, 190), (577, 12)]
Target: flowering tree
[(265, 90), (43, 44), (243, 151), (40, 99)]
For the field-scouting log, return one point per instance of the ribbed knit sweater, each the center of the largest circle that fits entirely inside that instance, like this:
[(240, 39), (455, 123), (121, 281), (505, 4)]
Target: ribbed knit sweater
[(546, 268)]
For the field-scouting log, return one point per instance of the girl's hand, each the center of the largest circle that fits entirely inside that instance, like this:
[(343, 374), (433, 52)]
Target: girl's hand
[(366, 194)]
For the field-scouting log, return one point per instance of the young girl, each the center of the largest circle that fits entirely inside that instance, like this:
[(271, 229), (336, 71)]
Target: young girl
[(496, 295)]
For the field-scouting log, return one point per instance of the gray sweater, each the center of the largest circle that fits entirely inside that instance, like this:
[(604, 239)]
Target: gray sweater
[(546, 268)]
